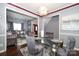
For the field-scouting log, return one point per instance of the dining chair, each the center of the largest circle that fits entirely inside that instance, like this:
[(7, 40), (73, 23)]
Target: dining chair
[(34, 49), (69, 49), (70, 45)]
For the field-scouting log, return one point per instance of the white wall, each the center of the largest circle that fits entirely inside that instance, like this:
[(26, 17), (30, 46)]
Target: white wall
[(64, 35), (2, 28), (40, 26), (20, 11)]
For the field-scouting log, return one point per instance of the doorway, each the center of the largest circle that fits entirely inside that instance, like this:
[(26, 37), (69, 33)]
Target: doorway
[(35, 26)]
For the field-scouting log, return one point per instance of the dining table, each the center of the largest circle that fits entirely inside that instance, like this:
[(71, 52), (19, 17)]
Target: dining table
[(56, 44)]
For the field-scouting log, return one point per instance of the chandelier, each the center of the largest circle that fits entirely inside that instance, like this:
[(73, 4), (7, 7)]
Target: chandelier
[(42, 11)]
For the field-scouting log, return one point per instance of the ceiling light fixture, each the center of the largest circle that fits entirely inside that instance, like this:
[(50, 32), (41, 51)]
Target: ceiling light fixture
[(42, 11)]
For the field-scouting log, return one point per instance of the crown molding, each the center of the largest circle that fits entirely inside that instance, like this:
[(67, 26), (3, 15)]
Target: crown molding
[(48, 13), (23, 9), (63, 8)]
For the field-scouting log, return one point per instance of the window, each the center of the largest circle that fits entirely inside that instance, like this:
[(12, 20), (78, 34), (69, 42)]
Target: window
[(17, 26), (70, 22)]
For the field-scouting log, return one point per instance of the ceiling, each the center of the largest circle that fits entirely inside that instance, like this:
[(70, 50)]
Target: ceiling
[(15, 15), (34, 7)]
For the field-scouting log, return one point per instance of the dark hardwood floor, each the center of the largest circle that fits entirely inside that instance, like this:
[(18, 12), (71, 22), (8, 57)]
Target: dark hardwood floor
[(13, 51)]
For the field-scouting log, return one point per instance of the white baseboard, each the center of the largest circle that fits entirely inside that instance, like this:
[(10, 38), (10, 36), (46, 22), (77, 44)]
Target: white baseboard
[(2, 51), (77, 49)]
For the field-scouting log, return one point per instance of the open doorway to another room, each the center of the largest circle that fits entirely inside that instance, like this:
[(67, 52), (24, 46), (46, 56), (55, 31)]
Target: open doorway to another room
[(18, 27)]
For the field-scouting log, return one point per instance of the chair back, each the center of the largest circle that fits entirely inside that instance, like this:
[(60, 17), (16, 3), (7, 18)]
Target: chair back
[(69, 46), (31, 44), (71, 43)]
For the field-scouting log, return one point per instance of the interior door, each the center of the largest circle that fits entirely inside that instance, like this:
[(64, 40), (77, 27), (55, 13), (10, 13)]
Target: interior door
[(35, 29)]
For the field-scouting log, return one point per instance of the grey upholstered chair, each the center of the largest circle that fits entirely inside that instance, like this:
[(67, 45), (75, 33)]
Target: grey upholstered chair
[(70, 45), (68, 50), (33, 48), (71, 42)]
